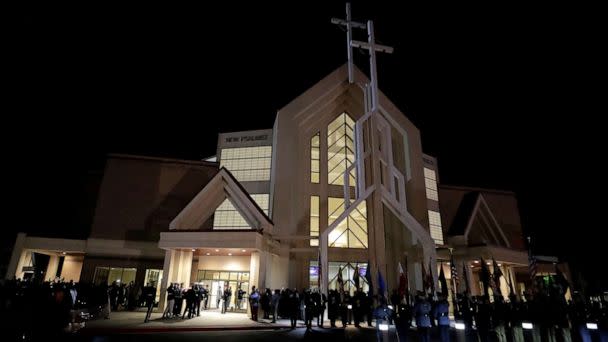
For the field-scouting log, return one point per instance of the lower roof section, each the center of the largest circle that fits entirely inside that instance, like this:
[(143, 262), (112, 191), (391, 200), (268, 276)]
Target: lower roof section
[(213, 239)]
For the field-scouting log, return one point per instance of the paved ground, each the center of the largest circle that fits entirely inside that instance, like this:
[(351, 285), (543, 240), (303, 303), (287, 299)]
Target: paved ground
[(299, 334), (208, 319), (212, 325)]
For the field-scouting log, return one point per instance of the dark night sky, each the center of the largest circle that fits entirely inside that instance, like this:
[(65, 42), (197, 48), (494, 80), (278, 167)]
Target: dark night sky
[(506, 97)]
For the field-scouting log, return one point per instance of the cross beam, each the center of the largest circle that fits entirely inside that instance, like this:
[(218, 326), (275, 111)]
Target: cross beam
[(349, 36)]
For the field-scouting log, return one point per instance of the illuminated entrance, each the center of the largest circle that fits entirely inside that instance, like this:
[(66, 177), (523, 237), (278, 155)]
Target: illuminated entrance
[(217, 280)]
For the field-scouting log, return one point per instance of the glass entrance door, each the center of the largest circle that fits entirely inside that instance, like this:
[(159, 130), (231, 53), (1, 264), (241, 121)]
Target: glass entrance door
[(218, 280)]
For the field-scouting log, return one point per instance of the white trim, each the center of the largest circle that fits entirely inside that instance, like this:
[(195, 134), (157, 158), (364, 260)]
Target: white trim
[(204, 204), (496, 227)]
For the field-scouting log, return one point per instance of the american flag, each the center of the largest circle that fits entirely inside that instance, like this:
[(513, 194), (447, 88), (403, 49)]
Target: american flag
[(532, 266), (454, 270)]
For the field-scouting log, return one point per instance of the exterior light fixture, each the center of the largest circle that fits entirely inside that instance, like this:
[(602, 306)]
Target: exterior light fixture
[(383, 327), (459, 326), (194, 250), (64, 253), (242, 250), (527, 325), (592, 326), (476, 261), (390, 307), (229, 253), (349, 306), (217, 250), (499, 265), (208, 253)]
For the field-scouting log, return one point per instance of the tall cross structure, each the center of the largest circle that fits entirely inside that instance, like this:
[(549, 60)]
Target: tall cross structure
[(386, 185)]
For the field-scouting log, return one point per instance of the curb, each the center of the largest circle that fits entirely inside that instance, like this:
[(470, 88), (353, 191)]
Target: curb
[(109, 331)]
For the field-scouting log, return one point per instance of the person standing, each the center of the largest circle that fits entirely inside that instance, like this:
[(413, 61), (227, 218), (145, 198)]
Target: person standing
[(170, 302), (294, 306), (219, 295), (422, 312), (254, 301), (149, 293), (333, 307), (441, 314), (226, 297), (274, 304), (205, 292)]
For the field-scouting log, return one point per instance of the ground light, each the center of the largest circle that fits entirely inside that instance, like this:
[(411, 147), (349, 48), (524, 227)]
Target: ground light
[(592, 326), (383, 327), (527, 325), (459, 325)]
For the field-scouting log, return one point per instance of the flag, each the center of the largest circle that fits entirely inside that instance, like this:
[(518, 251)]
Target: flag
[(467, 289), (402, 282), (484, 276), (431, 280), (497, 274), (356, 277), (531, 262), (425, 280), (340, 281), (561, 280), (320, 272), (368, 277), (454, 270), (381, 284), (532, 267), (443, 282), (511, 292)]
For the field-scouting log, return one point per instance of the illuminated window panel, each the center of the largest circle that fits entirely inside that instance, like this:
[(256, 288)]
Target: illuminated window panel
[(340, 150), (430, 182), (348, 272), (227, 217), (352, 231), (314, 220), (435, 225), (315, 158), (248, 163)]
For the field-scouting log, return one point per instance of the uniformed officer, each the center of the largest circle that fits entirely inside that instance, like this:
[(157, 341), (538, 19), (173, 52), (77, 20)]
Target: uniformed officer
[(441, 314), (422, 313), (499, 319), (333, 307), (149, 293), (403, 320)]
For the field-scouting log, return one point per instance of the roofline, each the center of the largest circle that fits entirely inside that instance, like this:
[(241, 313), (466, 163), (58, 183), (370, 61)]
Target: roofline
[(161, 159), (247, 193), (471, 188)]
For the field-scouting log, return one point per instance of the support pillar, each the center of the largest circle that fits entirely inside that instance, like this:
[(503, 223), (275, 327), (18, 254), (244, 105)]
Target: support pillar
[(17, 261), (51, 269), (177, 269)]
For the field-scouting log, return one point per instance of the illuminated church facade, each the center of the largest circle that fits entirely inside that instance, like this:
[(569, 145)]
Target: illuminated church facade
[(260, 212)]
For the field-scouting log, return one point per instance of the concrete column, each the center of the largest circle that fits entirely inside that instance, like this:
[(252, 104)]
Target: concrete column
[(177, 269), (51, 269), (472, 281), (17, 258), (254, 270)]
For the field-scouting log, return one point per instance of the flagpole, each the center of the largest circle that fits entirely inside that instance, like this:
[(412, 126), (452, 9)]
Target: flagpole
[(407, 297), (454, 290)]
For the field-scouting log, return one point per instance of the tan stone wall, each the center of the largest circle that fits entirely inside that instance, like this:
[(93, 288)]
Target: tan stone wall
[(139, 197), (72, 267)]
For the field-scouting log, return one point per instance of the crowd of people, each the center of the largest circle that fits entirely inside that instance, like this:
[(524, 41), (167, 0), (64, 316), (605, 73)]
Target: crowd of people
[(23, 302), (543, 314)]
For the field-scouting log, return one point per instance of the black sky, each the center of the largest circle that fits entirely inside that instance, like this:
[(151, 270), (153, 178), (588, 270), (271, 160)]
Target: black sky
[(506, 96)]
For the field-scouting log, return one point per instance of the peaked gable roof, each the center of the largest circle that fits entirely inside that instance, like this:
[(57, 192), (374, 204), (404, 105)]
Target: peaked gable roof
[(223, 185), (474, 209)]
